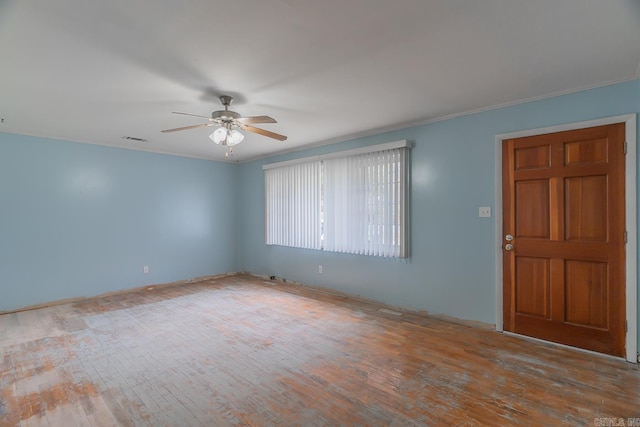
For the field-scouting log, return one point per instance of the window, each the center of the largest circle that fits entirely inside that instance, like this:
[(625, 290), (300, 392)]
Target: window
[(352, 201)]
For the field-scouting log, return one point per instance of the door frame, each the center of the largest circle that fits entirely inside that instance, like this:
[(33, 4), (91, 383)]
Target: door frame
[(631, 251)]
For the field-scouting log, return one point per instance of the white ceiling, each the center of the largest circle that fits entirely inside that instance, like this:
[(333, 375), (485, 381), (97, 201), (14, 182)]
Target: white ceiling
[(96, 71)]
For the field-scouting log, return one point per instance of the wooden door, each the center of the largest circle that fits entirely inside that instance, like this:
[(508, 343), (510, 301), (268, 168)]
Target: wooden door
[(564, 277)]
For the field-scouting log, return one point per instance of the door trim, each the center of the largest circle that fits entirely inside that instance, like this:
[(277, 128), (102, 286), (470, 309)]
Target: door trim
[(631, 251)]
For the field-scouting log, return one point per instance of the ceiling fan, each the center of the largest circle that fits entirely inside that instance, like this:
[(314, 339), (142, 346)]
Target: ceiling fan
[(228, 123)]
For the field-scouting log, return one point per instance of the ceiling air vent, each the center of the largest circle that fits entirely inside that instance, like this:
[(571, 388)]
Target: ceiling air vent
[(133, 138)]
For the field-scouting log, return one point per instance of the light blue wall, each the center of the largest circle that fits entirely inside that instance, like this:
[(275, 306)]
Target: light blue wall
[(80, 220), (452, 267)]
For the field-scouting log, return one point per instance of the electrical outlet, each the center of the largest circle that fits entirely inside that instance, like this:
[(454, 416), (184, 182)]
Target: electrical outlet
[(319, 269), (145, 269), (484, 212)]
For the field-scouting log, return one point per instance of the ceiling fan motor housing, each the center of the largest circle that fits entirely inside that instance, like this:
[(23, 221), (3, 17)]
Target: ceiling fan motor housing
[(225, 115)]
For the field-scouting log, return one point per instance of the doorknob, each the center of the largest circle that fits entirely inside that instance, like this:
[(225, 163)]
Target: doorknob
[(508, 237), (508, 247)]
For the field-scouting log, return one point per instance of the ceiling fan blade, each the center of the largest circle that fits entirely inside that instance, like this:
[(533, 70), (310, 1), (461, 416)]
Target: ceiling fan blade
[(264, 132), (194, 115), (256, 119), (189, 127)]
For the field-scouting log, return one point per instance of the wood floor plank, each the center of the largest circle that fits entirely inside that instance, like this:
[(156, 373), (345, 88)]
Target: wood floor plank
[(242, 351)]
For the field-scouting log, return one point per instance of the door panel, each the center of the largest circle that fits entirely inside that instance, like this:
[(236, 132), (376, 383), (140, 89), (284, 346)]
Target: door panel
[(532, 157), (589, 152), (532, 199), (586, 214), (563, 198), (532, 287), (586, 293)]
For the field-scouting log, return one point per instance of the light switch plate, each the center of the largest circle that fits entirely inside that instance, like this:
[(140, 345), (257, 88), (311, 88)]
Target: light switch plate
[(484, 212)]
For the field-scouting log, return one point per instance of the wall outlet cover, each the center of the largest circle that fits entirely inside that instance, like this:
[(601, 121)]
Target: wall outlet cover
[(484, 212)]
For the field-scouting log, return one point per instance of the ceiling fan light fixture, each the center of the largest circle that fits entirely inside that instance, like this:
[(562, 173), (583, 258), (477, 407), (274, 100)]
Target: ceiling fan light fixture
[(219, 135), (224, 136), (234, 138)]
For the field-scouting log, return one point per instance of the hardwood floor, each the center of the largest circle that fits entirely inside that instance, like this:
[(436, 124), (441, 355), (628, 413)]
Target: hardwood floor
[(242, 351)]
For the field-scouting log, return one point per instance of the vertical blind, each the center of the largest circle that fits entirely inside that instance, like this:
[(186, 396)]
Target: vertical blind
[(292, 196), (353, 204), (364, 204)]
